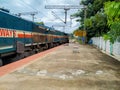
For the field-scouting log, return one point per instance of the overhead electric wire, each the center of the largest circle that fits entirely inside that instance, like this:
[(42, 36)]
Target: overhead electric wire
[(57, 17), (33, 8), (41, 12), (29, 5)]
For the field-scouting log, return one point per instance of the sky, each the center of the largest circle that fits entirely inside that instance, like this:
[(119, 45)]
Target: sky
[(44, 15)]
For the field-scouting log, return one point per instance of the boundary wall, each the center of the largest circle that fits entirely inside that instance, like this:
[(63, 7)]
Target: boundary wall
[(106, 46)]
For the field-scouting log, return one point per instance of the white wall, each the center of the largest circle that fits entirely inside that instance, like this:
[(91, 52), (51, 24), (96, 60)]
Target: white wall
[(105, 45)]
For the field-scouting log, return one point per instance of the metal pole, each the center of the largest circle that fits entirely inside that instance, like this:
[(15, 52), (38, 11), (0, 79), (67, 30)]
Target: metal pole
[(71, 20), (64, 29), (65, 16), (85, 13), (33, 17), (66, 9)]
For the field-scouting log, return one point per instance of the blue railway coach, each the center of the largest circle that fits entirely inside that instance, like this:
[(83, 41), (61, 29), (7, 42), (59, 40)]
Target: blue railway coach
[(20, 37)]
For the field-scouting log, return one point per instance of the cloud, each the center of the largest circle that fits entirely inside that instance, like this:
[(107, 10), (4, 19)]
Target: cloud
[(45, 15)]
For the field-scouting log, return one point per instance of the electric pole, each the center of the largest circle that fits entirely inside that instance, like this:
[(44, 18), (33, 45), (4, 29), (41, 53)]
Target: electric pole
[(85, 14), (33, 16), (64, 7), (28, 13), (71, 17)]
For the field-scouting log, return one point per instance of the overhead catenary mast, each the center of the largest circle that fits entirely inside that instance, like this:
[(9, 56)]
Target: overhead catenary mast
[(64, 7), (28, 13)]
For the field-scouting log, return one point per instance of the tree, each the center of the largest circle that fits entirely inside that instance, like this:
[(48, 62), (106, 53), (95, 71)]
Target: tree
[(113, 19), (41, 23), (96, 22)]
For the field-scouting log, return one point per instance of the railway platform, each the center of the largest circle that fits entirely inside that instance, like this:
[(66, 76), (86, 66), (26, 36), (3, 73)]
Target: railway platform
[(66, 67)]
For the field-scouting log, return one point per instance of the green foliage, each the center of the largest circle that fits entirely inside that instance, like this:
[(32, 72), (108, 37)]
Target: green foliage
[(113, 7), (88, 22), (103, 18), (113, 19), (96, 22), (106, 37), (42, 23), (96, 25)]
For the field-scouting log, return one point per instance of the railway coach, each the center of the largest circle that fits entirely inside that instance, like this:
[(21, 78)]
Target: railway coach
[(20, 38)]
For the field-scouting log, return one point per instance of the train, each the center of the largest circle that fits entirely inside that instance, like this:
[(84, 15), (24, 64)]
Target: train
[(20, 38)]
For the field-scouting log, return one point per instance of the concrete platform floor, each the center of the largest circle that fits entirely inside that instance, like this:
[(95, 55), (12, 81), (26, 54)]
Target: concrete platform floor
[(70, 67)]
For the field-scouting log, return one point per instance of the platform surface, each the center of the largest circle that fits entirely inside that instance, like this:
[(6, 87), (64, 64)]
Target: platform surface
[(64, 69)]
